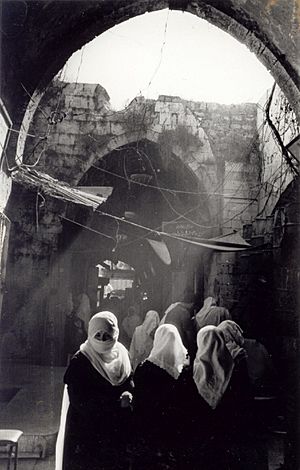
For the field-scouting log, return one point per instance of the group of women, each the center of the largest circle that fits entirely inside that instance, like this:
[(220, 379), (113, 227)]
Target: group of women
[(162, 410)]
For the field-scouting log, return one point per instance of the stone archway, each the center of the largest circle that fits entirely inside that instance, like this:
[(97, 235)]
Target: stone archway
[(43, 35), (172, 125), (36, 51), (259, 26), (40, 47), (87, 134)]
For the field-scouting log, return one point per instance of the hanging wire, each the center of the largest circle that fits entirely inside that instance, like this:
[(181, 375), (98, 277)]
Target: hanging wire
[(78, 72), (156, 187), (209, 227), (33, 101), (153, 76), (169, 190), (120, 219), (180, 215), (86, 227), (37, 211), (276, 133), (143, 184), (27, 134)]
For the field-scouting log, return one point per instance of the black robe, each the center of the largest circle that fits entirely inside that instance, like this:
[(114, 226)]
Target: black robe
[(96, 426), (196, 428), (154, 415), (163, 408), (237, 430)]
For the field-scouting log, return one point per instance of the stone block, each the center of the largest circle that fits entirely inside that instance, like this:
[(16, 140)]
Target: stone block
[(66, 139), (78, 102), (81, 115), (194, 165), (116, 128)]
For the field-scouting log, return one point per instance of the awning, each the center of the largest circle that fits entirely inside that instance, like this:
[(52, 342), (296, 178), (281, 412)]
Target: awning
[(230, 242), (161, 250)]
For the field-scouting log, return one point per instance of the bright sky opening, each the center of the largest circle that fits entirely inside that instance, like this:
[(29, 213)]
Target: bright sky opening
[(170, 53)]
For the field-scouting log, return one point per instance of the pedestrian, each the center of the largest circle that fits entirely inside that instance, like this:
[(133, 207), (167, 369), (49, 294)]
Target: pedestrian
[(233, 336), (99, 387), (211, 314), (142, 340), (129, 324), (222, 380), (156, 406), (180, 314)]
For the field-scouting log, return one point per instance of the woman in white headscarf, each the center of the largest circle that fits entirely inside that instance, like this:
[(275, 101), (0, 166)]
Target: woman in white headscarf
[(142, 340), (220, 374), (156, 404), (213, 365), (234, 339), (98, 381), (211, 314)]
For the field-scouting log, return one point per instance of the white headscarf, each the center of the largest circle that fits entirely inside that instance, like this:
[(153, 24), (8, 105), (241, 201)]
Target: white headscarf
[(231, 332), (168, 351), (151, 321), (213, 365), (207, 304), (211, 314), (110, 358), (142, 342), (234, 339)]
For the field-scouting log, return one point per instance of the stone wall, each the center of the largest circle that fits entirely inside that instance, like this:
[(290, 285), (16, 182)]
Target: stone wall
[(261, 286), (73, 127), (217, 142), (231, 130), (220, 141), (32, 37), (276, 174)]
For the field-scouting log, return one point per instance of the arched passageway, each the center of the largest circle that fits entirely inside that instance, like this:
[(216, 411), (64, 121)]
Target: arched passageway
[(74, 239), (258, 26), (33, 44)]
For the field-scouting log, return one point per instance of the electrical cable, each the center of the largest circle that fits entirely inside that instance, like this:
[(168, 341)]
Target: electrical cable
[(33, 101), (179, 215), (86, 227)]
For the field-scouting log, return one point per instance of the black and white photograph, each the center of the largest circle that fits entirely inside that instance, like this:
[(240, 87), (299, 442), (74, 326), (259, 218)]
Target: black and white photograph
[(149, 234)]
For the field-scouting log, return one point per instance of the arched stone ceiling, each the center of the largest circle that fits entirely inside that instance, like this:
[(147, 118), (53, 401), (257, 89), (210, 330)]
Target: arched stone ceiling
[(39, 36)]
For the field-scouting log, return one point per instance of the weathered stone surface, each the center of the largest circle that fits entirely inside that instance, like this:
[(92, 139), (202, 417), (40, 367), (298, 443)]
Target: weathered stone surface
[(276, 173), (41, 38), (222, 148), (38, 39)]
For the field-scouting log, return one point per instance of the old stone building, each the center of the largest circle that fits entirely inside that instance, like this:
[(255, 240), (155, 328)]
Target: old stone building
[(215, 158), (225, 161)]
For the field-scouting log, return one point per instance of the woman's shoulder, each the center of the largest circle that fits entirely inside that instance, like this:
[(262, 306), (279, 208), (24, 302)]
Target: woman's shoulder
[(187, 373), (143, 367), (78, 358), (186, 381), (148, 372), (147, 369), (79, 366)]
